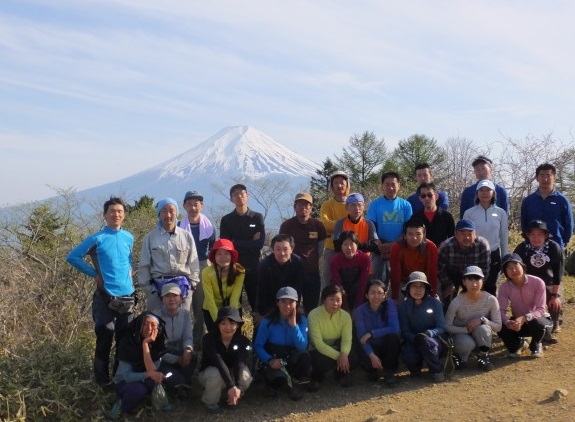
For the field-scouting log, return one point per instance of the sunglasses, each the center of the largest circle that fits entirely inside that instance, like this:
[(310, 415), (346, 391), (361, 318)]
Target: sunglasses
[(426, 195)]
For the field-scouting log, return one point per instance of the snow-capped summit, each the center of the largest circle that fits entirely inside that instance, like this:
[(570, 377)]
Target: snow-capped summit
[(237, 150), (234, 154)]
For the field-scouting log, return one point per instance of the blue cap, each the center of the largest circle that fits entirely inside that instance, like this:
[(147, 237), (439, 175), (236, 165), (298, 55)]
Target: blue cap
[(354, 197), (465, 225)]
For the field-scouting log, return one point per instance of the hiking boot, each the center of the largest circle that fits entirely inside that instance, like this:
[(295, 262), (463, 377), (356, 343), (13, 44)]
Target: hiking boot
[(390, 380), (346, 381), (513, 355), (550, 338), (538, 352), (439, 377), (295, 393), (213, 408), (556, 327), (483, 362), (458, 363)]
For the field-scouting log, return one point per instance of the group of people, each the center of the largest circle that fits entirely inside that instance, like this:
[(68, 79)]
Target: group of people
[(388, 288)]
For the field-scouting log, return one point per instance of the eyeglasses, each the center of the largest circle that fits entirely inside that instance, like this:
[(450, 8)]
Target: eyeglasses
[(426, 195)]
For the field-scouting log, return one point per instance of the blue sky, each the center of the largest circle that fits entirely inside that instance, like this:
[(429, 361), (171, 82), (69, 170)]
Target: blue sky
[(93, 91)]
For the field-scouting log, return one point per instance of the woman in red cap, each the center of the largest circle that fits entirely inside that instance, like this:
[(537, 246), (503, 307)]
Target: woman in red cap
[(222, 282)]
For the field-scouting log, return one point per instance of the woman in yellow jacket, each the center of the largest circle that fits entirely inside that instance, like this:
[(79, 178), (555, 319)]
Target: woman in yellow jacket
[(222, 282)]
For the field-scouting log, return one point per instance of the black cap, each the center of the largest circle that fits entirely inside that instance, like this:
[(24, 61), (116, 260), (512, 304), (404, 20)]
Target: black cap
[(537, 224), (481, 159), (193, 194), (230, 313), (237, 186)]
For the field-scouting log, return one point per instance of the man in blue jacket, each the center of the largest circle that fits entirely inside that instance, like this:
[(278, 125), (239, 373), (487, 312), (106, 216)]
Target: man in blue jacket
[(114, 298)]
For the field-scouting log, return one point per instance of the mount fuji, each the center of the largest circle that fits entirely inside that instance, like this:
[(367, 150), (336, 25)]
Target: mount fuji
[(272, 173)]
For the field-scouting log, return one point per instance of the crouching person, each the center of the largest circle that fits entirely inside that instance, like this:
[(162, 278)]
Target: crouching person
[(281, 344), (179, 360), (139, 352), (377, 328), (330, 332), (471, 319), (224, 361), (422, 323)]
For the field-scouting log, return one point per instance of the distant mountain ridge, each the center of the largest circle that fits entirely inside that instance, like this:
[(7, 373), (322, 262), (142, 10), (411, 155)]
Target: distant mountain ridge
[(236, 153)]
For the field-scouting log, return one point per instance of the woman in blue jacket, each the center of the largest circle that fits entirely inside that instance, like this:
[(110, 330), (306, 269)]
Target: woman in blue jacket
[(281, 344), (422, 324), (377, 328)]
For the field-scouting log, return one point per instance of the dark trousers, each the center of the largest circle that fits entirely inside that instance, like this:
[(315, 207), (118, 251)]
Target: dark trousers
[(534, 329), (321, 364), (555, 315), (180, 375), (311, 291), (108, 325), (428, 350), (490, 285), (251, 288), (132, 394), (387, 351)]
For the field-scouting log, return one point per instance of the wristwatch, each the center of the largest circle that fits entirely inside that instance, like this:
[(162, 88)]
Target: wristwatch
[(483, 320), (528, 317)]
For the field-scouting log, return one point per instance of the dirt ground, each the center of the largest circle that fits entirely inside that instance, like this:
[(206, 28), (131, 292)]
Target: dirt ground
[(517, 390)]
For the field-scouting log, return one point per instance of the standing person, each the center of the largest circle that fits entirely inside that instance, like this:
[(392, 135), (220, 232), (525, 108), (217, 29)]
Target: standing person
[(281, 344), (224, 361), (483, 169), (525, 295), (414, 252), (457, 253), (491, 224), (549, 205), (179, 358), (245, 228), (168, 256), (309, 236), (140, 350), (543, 258), (423, 174), (330, 333), (471, 319), (279, 269), (223, 281), (332, 210), (439, 223), (377, 328), (422, 324), (204, 235), (388, 213), (354, 221), (114, 295), (350, 269)]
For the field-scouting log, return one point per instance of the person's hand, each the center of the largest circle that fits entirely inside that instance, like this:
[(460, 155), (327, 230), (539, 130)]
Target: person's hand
[(275, 363), (385, 250), (365, 338), (234, 394), (513, 325), (256, 236), (473, 324), (343, 363), (292, 319), (152, 337), (186, 358), (555, 304), (375, 361), (157, 376)]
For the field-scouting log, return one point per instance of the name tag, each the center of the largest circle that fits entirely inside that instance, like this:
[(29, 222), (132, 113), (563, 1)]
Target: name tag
[(313, 235)]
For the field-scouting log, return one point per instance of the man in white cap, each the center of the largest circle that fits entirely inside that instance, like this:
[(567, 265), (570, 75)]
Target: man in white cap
[(309, 236), (168, 256)]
